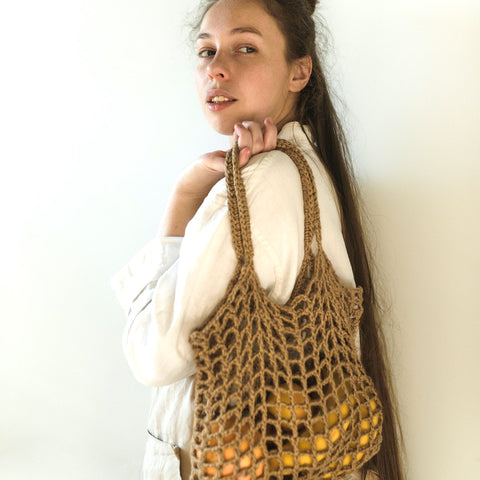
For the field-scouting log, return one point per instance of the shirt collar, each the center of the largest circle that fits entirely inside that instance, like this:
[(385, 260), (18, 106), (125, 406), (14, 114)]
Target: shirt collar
[(293, 132)]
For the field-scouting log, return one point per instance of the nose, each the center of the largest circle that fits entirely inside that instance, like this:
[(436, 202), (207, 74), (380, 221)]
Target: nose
[(217, 68)]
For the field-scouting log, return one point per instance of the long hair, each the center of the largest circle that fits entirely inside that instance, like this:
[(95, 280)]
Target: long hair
[(316, 110)]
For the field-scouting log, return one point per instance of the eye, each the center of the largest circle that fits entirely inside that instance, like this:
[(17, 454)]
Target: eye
[(247, 50), (206, 52)]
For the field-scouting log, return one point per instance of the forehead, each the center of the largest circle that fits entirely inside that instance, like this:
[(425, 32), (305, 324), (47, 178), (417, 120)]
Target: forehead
[(239, 16)]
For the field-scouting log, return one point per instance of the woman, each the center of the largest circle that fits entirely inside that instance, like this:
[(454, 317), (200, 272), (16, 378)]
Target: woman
[(258, 73)]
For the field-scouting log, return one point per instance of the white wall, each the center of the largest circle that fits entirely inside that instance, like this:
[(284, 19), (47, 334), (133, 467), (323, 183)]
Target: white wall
[(98, 114), (410, 73)]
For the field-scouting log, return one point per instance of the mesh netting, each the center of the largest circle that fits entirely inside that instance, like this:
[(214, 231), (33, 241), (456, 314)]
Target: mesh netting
[(280, 392)]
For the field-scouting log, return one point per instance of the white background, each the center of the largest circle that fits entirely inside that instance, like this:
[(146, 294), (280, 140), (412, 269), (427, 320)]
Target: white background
[(98, 113)]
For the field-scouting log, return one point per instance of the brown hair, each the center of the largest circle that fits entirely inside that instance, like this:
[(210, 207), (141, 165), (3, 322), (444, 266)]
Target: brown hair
[(316, 110)]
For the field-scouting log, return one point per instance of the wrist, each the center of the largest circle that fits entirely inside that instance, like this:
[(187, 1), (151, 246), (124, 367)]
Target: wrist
[(197, 180)]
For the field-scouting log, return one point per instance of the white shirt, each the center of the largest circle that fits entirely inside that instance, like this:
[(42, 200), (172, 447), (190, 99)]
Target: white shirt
[(172, 285)]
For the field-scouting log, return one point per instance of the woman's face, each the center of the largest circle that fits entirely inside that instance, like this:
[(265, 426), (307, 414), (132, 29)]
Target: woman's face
[(242, 73)]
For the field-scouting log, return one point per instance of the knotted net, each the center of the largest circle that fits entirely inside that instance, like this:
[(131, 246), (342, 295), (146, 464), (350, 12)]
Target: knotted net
[(280, 391)]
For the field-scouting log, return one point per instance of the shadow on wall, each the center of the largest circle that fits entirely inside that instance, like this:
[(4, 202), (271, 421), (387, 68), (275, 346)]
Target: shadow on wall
[(425, 245)]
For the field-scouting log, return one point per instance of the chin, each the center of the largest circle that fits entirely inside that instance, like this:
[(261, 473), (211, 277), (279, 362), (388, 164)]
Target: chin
[(221, 127)]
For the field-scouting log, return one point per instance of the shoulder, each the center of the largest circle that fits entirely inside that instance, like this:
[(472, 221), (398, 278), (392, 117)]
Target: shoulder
[(274, 191), (277, 170), (266, 175), (275, 203), (274, 165)]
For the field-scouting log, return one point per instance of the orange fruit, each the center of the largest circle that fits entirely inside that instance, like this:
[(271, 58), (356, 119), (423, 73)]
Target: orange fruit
[(284, 398), (210, 471), (244, 445), (258, 473), (321, 443), (333, 466), (305, 459), (334, 434), (332, 419), (212, 442), (211, 457), (258, 453), (229, 453), (245, 462), (304, 445), (227, 469), (288, 460), (364, 439), (344, 410), (365, 425)]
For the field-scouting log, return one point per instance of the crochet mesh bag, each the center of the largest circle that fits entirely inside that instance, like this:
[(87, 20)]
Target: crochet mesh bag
[(280, 392)]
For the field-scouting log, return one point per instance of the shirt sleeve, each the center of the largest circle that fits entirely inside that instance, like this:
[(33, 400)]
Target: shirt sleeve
[(172, 286), (139, 275)]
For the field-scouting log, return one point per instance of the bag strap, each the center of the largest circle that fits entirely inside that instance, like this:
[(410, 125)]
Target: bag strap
[(238, 207)]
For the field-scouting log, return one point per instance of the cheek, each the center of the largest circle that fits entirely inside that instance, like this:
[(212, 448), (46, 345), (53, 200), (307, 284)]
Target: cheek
[(274, 78), (260, 82), (198, 83), (270, 87)]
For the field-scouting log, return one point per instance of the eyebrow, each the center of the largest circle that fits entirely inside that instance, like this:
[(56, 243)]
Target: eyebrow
[(234, 31)]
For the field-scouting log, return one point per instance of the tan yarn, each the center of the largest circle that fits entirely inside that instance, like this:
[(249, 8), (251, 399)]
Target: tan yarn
[(280, 392)]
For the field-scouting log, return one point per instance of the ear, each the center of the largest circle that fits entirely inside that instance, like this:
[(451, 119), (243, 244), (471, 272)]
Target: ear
[(301, 71)]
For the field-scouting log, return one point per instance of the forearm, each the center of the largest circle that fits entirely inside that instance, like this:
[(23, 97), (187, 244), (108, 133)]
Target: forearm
[(178, 212)]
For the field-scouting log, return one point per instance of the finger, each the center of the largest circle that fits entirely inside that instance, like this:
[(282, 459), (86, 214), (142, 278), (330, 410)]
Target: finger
[(256, 133), (235, 133), (243, 136), (270, 135), (244, 156)]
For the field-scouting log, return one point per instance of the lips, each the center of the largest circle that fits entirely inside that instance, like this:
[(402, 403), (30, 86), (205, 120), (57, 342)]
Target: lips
[(219, 100)]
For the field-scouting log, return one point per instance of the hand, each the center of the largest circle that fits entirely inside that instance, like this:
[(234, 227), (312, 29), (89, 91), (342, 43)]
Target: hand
[(199, 177), (252, 139), (189, 192)]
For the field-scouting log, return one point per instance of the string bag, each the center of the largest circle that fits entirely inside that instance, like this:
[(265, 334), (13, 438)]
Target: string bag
[(280, 392)]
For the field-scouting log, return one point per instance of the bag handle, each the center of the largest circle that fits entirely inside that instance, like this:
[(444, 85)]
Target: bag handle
[(238, 207)]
